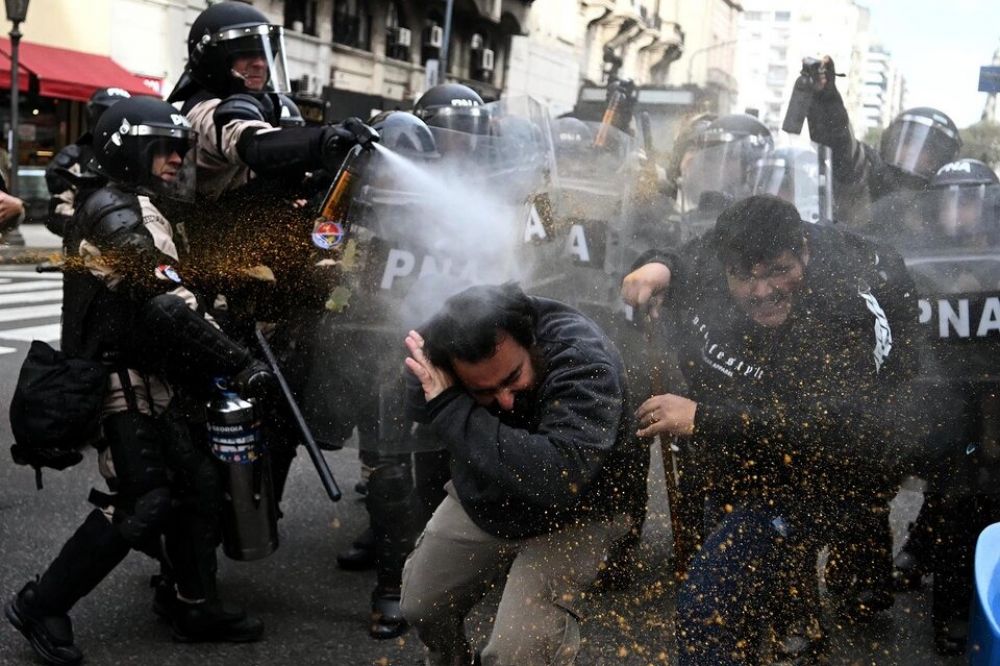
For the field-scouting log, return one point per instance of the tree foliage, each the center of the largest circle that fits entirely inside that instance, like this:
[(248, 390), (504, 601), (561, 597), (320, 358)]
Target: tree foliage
[(981, 141)]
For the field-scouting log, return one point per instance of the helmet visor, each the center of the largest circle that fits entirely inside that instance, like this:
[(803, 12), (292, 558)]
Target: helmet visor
[(968, 214), (720, 170), (918, 146), (255, 56), (466, 119), (172, 158)]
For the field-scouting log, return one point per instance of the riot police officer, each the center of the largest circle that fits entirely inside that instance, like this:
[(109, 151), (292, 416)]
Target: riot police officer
[(916, 144), (236, 65), (73, 160), (126, 306), (951, 253), (350, 382), (719, 169)]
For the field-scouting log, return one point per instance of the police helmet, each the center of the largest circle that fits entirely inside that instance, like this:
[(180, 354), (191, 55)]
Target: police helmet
[(228, 31), (920, 141), (964, 172), (100, 101), (965, 196), (133, 134), (453, 106), (406, 134), (722, 158)]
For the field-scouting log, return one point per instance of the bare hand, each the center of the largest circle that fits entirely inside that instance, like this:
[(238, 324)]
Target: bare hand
[(644, 287), (10, 208), (433, 379), (666, 414)]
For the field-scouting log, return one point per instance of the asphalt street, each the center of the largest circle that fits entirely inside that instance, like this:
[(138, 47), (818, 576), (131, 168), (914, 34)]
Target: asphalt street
[(315, 613)]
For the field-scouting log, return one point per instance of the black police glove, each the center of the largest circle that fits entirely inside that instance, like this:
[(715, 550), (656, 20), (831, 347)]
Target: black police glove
[(255, 380), (825, 81), (340, 138)]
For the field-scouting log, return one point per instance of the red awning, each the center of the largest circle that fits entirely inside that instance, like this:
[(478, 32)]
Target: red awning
[(67, 74)]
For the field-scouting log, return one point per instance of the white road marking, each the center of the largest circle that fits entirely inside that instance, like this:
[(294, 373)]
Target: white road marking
[(31, 297), (33, 285), (30, 275), (7, 350), (47, 332), (31, 312)]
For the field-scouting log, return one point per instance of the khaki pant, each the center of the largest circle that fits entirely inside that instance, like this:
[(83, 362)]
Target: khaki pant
[(455, 563)]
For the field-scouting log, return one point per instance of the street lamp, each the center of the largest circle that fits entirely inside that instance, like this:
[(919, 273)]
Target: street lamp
[(17, 11)]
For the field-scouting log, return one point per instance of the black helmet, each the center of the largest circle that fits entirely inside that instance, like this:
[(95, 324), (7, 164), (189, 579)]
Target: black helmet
[(920, 141), (965, 203), (406, 134), (135, 131), (229, 30), (453, 106), (964, 172), (100, 101), (723, 156), (290, 115)]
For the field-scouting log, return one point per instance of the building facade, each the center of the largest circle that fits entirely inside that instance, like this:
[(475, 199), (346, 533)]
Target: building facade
[(774, 36), (884, 89)]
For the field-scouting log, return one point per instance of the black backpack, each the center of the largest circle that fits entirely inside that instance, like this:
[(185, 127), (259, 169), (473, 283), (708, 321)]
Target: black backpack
[(56, 408)]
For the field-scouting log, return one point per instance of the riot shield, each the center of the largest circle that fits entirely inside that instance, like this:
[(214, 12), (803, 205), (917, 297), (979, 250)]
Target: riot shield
[(418, 231), (798, 171), (576, 233)]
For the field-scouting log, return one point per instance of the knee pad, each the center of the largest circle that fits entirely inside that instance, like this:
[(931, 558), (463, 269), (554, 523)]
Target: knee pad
[(147, 518)]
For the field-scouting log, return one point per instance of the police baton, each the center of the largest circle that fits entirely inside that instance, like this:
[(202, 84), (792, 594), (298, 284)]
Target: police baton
[(685, 542), (325, 475)]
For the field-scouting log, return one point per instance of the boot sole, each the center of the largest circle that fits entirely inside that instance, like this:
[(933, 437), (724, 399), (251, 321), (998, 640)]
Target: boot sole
[(40, 648)]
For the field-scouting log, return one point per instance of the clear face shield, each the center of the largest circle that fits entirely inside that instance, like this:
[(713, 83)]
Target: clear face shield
[(798, 172), (917, 146), (515, 151), (162, 157), (718, 170), (967, 215), (255, 56)]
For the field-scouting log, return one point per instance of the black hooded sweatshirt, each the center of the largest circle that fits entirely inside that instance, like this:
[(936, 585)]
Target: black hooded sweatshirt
[(566, 453), (813, 409)]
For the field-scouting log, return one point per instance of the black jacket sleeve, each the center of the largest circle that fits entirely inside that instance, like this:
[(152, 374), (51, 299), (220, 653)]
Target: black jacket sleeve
[(548, 467), (854, 162)]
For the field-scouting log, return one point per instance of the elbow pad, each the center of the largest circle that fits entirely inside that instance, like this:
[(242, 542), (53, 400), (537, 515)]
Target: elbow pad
[(282, 150)]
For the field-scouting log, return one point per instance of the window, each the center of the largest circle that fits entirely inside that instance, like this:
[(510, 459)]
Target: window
[(352, 23), (300, 16), (782, 17), (397, 36), (753, 16), (433, 37), (481, 55)]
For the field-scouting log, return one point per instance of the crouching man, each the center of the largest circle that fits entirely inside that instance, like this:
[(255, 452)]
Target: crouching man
[(529, 396)]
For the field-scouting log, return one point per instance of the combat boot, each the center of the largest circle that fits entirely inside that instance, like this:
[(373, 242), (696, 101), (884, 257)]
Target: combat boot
[(50, 635), (166, 605), (212, 621), (387, 618)]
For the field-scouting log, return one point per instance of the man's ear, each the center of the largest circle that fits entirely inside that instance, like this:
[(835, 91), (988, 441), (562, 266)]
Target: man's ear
[(804, 254)]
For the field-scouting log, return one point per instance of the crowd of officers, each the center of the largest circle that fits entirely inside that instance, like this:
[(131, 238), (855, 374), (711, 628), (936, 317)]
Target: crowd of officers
[(782, 359)]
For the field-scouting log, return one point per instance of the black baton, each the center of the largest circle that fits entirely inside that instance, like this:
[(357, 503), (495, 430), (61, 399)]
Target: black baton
[(325, 475)]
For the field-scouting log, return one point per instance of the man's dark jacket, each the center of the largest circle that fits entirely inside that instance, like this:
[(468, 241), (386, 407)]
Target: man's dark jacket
[(567, 452), (811, 409)]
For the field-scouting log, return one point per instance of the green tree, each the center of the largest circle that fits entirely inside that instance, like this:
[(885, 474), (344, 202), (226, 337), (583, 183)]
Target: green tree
[(982, 142)]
